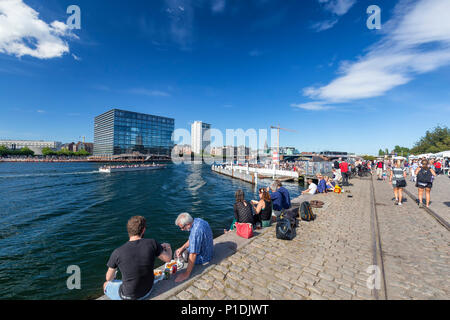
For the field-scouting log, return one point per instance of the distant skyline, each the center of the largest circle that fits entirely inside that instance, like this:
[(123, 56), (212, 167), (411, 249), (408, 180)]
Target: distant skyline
[(312, 66)]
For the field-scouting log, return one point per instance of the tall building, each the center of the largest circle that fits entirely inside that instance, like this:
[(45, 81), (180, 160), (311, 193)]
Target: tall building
[(124, 132), (200, 136)]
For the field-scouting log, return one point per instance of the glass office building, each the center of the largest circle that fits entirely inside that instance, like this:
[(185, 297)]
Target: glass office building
[(124, 132)]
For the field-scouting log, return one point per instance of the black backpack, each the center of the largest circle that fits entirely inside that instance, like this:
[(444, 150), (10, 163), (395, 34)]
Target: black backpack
[(424, 176), (284, 229), (306, 212)]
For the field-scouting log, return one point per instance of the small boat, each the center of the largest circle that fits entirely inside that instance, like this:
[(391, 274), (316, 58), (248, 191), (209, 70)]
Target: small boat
[(125, 168)]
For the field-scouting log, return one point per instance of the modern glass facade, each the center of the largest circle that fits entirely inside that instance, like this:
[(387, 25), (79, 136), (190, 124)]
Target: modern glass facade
[(124, 132)]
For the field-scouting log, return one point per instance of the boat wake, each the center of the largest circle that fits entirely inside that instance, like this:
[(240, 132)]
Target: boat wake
[(31, 175)]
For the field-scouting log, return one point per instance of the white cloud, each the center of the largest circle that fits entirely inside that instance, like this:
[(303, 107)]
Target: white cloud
[(40, 111), (23, 33), (338, 7), (417, 40), (324, 25), (146, 92), (77, 58), (312, 106)]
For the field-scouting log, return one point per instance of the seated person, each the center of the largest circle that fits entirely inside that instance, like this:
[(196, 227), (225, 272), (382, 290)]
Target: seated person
[(322, 186), (281, 199), (330, 184), (200, 245), (135, 260), (312, 188), (243, 212), (263, 207)]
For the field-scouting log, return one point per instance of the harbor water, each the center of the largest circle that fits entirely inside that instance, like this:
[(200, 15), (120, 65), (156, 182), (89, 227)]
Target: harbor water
[(56, 215)]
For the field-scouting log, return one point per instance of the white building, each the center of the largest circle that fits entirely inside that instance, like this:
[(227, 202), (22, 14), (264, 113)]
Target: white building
[(35, 145), (200, 136)]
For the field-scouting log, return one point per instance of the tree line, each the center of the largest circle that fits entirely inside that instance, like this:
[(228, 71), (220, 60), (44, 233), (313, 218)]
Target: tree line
[(434, 141), (4, 151)]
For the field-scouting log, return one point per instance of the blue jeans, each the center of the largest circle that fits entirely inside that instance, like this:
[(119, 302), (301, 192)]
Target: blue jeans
[(112, 290)]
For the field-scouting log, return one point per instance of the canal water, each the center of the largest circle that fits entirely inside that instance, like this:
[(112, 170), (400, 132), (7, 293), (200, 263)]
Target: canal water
[(54, 215)]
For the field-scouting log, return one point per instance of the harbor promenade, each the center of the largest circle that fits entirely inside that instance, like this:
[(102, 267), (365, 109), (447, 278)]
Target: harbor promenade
[(333, 257)]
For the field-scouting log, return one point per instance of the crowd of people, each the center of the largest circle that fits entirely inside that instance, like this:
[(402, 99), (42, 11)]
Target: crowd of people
[(422, 172), (136, 258)]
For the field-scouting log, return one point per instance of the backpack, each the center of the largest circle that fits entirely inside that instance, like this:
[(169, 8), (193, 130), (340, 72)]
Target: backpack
[(284, 229), (337, 189), (306, 212), (424, 176)]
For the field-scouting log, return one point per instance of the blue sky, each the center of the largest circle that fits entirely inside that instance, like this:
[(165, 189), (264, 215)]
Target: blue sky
[(311, 65)]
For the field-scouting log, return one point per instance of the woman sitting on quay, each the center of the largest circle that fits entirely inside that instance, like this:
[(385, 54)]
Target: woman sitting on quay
[(243, 212), (263, 208)]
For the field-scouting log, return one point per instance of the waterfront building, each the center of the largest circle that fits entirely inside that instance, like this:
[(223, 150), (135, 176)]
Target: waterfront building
[(182, 149), (34, 145), (75, 147), (200, 136), (119, 132)]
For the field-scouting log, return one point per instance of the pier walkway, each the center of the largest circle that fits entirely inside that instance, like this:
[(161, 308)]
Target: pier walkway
[(328, 258), (440, 195), (333, 256)]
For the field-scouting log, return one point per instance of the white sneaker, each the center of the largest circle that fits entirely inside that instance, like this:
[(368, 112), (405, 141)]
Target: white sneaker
[(399, 203)]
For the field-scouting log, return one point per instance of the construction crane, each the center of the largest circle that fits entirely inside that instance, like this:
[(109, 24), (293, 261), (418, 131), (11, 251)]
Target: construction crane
[(278, 136)]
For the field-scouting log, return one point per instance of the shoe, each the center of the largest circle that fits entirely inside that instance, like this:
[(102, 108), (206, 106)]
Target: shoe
[(420, 205), (399, 203), (396, 202)]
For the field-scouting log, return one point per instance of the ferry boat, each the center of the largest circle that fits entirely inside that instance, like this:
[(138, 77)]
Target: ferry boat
[(124, 168)]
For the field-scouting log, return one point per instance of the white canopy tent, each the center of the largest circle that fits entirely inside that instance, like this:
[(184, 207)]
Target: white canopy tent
[(443, 154)]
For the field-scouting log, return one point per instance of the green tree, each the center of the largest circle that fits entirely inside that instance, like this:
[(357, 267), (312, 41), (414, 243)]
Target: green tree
[(4, 151), (434, 141), (48, 152), (26, 152), (380, 152), (369, 158), (401, 151)]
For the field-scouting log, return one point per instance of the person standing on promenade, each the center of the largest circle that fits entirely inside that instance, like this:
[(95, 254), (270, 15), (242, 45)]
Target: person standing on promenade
[(413, 169), (425, 177), (380, 170), (337, 168), (199, 248), (398, 180), (281, 199), (344, 171), (135, 260)]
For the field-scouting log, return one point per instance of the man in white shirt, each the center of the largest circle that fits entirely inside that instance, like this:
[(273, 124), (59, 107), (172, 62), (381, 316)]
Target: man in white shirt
[(312, 188)]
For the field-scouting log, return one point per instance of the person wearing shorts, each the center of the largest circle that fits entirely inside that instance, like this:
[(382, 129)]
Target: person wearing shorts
[(398, 176), (424, 182)]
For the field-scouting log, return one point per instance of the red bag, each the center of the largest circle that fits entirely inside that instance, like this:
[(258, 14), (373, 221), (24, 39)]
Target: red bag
[(244, 230)]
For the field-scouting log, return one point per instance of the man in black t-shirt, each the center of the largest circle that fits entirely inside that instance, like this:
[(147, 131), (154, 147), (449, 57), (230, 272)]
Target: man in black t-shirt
[(135, 260)]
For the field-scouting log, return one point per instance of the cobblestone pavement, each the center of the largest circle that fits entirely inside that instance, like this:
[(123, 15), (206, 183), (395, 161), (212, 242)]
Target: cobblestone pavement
[(440, 195), (328, 258), (415, 248)]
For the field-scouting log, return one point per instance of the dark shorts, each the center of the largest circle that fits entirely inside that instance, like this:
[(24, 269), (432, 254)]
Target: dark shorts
[(427, 185)]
